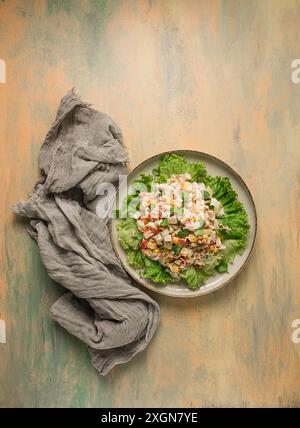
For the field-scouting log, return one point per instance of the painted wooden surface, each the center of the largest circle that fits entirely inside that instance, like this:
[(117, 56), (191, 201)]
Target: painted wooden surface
[(208, 75)]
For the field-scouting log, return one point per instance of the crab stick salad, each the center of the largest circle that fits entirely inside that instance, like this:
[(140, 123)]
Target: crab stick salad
[(179, 222), (185, 225)]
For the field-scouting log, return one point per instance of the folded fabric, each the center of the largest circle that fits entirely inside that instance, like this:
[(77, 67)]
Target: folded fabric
[(103, 307)]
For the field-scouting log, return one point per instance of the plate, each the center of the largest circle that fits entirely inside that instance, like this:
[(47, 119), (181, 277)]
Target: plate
[(214, 166)]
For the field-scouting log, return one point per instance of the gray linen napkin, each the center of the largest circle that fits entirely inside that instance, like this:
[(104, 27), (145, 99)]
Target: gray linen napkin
[(104, 309)]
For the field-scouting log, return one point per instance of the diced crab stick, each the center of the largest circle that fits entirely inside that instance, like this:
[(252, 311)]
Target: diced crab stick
[(148, 232), (158, 238), (179, 241)]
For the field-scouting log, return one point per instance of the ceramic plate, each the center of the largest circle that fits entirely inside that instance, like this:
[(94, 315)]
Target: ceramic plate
[(214, 167)]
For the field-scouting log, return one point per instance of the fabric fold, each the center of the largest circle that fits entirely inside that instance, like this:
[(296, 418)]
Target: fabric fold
[(102, 307)]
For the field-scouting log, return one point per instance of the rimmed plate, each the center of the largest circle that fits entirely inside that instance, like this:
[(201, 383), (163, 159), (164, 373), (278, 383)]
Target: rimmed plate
[(214, 167)]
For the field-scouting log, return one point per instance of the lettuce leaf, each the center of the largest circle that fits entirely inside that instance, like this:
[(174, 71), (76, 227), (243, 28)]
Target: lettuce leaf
[(156, 272), (235, 217), (191, 277), (222, 267), (196, 277), (141, 184), (212, 260), (135, 258), (170, 164), (203, 275), (197, 171), (129, 235)]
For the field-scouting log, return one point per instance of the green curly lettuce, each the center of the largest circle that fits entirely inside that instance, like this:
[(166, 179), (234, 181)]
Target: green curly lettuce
[(136, 259), (171, 163), (195, 277), (234, 235), (129, 235), (156, 272)]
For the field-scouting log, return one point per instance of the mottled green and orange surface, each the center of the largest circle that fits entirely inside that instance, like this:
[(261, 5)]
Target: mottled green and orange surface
[(208, 75)]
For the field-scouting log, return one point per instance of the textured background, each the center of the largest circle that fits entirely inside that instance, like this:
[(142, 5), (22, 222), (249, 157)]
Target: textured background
[(208, 75)]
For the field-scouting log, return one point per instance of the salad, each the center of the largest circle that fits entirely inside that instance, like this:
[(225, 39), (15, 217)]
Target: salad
[(180, 223)]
